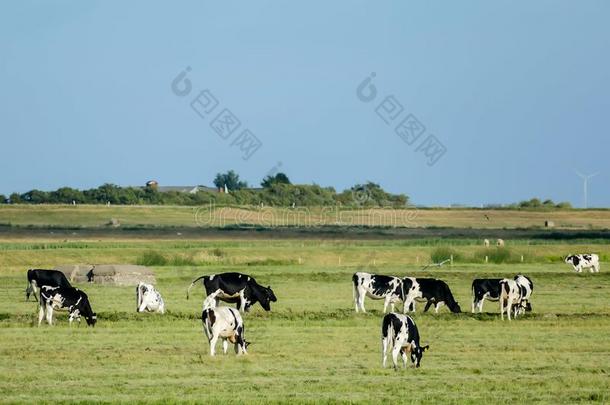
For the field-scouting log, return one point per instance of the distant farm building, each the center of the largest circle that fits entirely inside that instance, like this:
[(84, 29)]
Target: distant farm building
[(179, 189)]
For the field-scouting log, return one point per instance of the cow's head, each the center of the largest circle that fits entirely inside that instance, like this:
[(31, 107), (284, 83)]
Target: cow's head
[(455, 308), (91, 319), (417, 352), (265, 296), (569, 259)]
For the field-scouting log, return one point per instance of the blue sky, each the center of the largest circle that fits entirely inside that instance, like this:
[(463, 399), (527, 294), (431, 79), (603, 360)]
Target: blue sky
[(517, 92)]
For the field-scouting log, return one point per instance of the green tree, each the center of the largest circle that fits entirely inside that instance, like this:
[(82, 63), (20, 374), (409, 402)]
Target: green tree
[(35, 197), (2, 198), (15, 198), (279, 178), (230, 179)]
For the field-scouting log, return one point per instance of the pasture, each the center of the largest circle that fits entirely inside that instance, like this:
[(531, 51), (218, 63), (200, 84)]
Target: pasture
[(219, 216), (312, 347)]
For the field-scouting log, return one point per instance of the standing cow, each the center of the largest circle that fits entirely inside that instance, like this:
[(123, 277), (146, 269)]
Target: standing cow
[(236, 288), (399, 334), (510, 298), (377, 287), (432, 291), (68, 299), (224, 323), (489, 289), (148, 299), (586, 261), (39, 277), (482, 289)]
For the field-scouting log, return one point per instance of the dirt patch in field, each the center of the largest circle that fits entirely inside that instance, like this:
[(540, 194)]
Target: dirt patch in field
[(115, 274)]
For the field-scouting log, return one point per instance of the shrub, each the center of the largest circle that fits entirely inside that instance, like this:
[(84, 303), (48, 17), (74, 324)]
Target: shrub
[(443, 253), (496, 255), (217, 252), (151, 258), (182, 260)]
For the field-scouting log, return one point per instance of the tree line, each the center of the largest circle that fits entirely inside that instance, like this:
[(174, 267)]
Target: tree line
[(276, 190)]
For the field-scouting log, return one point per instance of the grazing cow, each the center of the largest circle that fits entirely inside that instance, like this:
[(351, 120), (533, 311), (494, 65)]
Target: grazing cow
[(586, 261), (431, 290), (527, 287), (237, 288), (399, 334), (482, 289), (148, 299), (489, 288), (39, 277), (377, 287), (510, 297), (500, 243), (225, 323), (70, 299), (486, 242)]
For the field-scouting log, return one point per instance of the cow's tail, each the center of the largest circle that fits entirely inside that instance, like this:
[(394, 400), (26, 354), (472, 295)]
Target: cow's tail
[(208, 318), (191, 286), (354, 285)]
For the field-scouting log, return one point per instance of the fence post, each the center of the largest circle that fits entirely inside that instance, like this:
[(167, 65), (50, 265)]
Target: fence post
[(486, 259), (451, 262), (521, 258)]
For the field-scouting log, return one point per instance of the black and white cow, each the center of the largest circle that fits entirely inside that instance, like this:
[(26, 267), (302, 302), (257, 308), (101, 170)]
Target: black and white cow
[(39, 277), (377, 287), (489, 288), (68, 299), (399, 334), (527, 287), (430, 290), (225, 323), (510, 297), (237, 288), (149, 299), (482, 289), (586, 261)]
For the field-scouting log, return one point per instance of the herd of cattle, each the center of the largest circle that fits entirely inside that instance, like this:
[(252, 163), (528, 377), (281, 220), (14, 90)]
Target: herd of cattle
[(399, 332)]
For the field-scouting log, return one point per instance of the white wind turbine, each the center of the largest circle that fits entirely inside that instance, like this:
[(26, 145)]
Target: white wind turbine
[(585, 183)]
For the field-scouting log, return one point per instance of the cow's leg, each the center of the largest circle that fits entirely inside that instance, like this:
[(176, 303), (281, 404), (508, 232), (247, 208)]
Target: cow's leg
[(213, 341), (40, 314), (395, 350), (428, 306), (142, 307), (361, 295), (437, 307), (502, 308), (474, 304), (35, 289), (403, 354), (480, 305), (49, 314), (406, 306), (386, 303), (356, 296), (384, 350), (225, 345)]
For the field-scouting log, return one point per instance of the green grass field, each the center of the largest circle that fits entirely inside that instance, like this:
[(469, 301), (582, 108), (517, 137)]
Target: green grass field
[(312, 347)]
